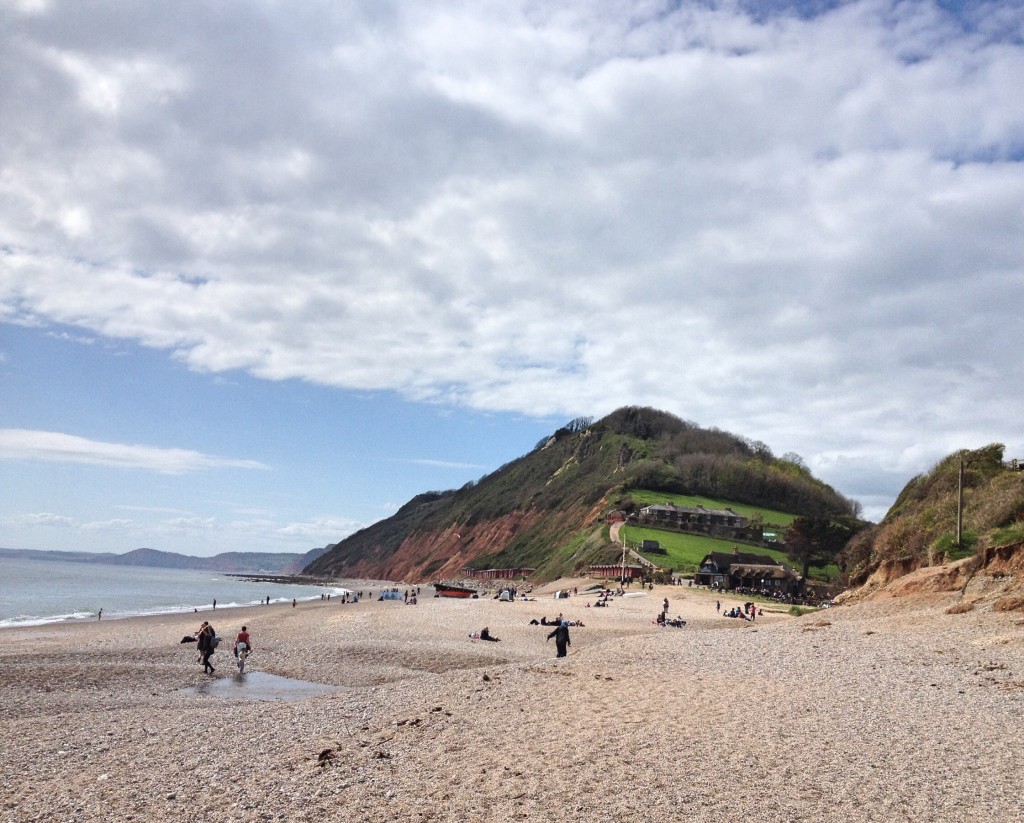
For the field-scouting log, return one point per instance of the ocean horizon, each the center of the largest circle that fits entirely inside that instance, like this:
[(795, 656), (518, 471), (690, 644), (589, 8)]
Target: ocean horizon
[(39, 591)]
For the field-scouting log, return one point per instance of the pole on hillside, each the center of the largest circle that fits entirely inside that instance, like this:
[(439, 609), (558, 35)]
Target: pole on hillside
[(960, 504)]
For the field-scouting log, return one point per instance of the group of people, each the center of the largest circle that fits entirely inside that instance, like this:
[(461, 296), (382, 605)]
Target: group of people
[(748, 611), (207, 642), (345, 596), (556, 622), (664, 620)]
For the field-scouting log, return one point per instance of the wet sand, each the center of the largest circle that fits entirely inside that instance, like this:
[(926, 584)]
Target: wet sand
[(886, 711)]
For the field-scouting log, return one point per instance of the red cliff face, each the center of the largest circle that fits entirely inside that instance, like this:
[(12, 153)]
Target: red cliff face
[(427, 555), (996, 572), (442, 554)]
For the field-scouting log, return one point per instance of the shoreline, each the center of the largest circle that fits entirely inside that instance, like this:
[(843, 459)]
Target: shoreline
[(111, 613), (58, 628)]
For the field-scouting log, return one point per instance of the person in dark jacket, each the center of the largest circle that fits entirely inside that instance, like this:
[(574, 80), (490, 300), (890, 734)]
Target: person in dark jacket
[(206, 646), (561, 635)]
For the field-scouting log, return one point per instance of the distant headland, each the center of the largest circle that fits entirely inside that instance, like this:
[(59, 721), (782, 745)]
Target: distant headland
[(248, 563)]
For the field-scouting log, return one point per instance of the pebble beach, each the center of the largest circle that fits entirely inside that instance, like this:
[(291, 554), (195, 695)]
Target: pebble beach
[(891, 710)]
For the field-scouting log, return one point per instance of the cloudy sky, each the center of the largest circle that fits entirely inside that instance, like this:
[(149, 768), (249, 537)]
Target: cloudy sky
[(269, 269)]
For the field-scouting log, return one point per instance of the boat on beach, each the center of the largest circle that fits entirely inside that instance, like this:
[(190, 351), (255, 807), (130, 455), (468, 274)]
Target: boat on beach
[(451, 590)]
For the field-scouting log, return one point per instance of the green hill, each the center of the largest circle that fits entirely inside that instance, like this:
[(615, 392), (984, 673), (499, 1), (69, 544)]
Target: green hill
[(546, 509), (920, 529)]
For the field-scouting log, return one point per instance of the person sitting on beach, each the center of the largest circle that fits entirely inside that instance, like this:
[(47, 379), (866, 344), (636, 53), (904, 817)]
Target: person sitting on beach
[(485, 634)]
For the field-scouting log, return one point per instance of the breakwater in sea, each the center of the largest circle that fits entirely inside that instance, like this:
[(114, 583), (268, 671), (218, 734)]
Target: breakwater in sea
[(35, 592)]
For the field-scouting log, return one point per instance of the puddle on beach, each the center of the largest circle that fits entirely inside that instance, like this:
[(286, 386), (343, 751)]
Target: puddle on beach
[(262, 687)]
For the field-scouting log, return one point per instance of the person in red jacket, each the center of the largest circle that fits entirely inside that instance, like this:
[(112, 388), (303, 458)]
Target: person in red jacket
[(243, 645)]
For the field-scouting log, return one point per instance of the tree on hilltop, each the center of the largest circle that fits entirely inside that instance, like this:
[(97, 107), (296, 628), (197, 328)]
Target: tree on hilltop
[(816, 541)]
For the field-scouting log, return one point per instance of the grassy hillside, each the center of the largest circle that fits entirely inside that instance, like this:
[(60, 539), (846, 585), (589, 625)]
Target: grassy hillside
[(920, 528), (685, 551)]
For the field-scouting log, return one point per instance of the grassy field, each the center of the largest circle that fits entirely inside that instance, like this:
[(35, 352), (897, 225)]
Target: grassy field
[(769, 516), (685, 551)]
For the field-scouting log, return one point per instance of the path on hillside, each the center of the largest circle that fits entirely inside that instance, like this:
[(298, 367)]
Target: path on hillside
[(613, 533)]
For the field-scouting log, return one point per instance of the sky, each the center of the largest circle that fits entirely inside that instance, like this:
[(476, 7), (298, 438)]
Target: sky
[(270, 269)]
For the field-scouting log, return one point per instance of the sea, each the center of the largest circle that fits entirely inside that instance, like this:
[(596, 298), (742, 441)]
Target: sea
[(35, 592)]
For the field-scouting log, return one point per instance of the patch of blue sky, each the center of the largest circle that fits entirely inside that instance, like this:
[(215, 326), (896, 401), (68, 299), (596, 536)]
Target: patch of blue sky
[(764, 10), (986, 155), (967, 13)]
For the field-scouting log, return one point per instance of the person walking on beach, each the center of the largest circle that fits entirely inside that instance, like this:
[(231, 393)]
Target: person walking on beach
[(205, 646), (243, 645), (561, 635), (99, 614)]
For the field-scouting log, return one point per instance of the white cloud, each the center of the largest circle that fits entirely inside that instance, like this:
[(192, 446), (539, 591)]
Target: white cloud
[(23, 444), (187, 528), (151, 509), (323, 529), (440, 464), (115, 525), (45, 519), (803, 229)]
